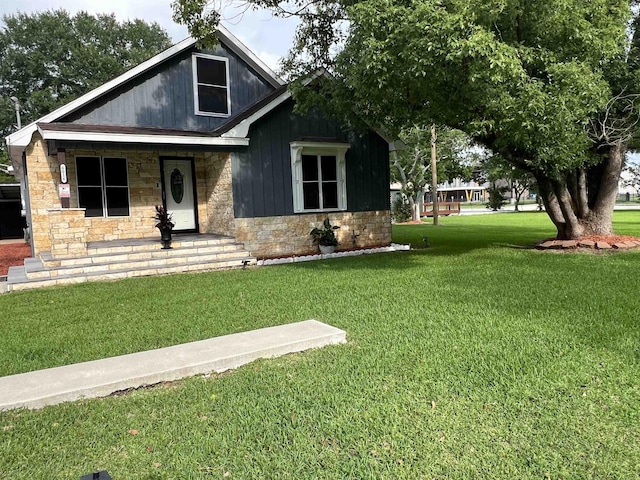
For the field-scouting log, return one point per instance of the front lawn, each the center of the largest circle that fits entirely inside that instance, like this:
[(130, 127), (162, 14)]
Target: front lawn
[(474, 358)]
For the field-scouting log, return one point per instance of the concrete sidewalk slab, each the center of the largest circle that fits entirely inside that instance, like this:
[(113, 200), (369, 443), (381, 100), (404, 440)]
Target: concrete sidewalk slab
[(99, 378)]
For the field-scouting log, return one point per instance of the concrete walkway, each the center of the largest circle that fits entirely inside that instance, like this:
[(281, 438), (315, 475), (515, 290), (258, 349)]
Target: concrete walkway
[(99, 378)]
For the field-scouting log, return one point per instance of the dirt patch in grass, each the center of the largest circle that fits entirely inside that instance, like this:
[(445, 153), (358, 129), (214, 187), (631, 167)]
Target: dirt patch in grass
[(13, 254)]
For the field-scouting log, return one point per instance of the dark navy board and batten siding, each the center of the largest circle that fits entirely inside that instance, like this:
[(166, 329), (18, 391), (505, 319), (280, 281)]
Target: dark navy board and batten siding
[(163, 97), (262, 174)]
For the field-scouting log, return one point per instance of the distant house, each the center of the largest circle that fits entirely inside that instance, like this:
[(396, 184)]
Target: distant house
[(457, 190), (212, 135)]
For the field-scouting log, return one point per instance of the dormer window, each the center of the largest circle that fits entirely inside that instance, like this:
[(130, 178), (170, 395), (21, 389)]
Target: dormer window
[(211, 85)]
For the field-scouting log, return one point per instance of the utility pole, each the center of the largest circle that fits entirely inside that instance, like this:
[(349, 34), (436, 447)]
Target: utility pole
[(434, 175), (16, 104)]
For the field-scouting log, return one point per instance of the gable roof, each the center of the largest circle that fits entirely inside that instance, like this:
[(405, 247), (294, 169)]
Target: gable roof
[(22, 137)]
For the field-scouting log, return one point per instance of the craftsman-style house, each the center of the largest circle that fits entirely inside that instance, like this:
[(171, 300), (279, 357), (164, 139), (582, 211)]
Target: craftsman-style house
[(212, 135)]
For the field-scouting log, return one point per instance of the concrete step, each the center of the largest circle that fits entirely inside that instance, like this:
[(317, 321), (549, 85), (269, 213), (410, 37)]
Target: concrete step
[(19, 279), (99, 378)]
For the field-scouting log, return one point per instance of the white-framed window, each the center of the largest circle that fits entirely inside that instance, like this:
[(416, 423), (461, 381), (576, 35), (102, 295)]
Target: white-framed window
[(319, 176), (211, 85), (103, 186)]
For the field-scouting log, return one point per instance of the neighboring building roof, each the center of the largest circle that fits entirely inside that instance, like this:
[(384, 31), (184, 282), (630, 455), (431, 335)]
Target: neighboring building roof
[(22, 137)]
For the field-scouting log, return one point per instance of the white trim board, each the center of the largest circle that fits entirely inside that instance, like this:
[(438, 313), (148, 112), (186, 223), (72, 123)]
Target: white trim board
[(242, 129), (141, 138)]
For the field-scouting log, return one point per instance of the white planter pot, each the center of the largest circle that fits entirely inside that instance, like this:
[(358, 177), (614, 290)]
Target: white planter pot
[(324, 249)]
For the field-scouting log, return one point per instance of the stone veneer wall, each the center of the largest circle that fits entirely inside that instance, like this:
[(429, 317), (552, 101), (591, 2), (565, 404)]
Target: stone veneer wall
[(65, 232), (289, 235), (215, 203), (44, 176)]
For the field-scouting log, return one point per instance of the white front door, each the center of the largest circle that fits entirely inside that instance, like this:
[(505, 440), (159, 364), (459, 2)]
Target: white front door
[(178, 193)]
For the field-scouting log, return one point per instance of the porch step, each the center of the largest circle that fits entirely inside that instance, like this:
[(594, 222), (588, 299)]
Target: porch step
[(131, 258), (19, 279), (139, 245), (140, 254)]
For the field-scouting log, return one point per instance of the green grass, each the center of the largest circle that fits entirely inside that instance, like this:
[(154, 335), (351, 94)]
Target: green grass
[(474, 358)]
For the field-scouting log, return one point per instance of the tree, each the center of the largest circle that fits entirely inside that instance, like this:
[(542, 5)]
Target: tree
[(4, 162), (633, 177), (550, 86), (411, 166), (496, 197), (50, 58), (496, 170)]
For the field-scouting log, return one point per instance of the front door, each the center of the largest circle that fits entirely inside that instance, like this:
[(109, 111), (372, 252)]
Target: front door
[(178, 193)]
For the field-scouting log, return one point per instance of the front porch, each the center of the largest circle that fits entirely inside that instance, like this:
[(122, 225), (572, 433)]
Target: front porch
[(127, 258)]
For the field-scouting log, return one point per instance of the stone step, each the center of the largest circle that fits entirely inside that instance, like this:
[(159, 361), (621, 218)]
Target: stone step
[(136, 255), (38, 271), (153, 244), (18, 280)]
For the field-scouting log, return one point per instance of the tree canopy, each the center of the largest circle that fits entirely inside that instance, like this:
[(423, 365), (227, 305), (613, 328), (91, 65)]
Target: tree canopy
[(550, 86), (50, 58)]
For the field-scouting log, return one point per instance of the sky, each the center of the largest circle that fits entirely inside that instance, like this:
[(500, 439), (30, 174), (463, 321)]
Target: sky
[(268, 37)]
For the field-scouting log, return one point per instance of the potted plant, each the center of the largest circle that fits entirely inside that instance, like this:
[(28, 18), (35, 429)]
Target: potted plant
[(325, 237), (165, 225)]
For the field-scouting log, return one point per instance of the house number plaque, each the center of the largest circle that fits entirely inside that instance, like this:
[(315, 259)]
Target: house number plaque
[(63, 173)]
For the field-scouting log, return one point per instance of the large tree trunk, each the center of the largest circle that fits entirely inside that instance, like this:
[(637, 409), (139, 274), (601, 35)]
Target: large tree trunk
[(581, 203)]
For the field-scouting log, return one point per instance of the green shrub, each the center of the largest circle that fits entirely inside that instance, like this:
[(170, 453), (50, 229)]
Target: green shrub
[(401, 211), (496, 197)]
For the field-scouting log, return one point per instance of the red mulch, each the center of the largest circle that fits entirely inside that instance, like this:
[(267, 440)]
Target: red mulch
[(13, 254), (610, 239)]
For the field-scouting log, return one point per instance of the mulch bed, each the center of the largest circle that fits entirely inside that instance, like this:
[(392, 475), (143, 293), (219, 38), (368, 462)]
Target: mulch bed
[(12, 254), (592, 242)]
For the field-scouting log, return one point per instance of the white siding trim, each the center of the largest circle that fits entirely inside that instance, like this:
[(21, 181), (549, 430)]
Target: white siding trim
[(242, 129), (141, 138)]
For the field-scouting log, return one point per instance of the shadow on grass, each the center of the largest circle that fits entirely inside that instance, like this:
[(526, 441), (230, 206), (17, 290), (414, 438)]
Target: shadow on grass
[(459, 239)]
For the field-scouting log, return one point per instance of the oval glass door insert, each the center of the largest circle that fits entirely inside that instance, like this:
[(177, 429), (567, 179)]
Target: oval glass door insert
[(177, 185)]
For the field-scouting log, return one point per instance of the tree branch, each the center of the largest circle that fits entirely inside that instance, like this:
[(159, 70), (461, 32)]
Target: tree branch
[(618, 121)]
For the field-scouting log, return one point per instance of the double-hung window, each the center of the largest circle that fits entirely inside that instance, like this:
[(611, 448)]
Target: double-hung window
[(211, 85), (319, 176), (103, 186)]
